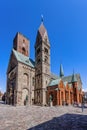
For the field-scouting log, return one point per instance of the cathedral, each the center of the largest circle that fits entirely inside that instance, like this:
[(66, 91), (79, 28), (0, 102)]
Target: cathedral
[(31, 82)]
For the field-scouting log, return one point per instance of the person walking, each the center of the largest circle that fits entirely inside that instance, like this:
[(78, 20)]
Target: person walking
[(82, 107), (82, 103)]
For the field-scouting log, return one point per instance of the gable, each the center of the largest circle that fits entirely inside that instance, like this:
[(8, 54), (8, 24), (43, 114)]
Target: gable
[(54, 82), (12, 62), (24, 59), (69, 78), (61, 85)]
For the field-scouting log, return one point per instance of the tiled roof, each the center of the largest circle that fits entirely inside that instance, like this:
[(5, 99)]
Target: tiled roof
[(74, 78), (54, 82), (66, 79), (53, 76), (69, 78), (23, 59), (42, 30)]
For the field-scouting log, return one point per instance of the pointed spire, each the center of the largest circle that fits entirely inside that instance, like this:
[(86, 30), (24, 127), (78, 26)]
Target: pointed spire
[(42, 34), (74, 79), (42, 19), (42, 30), (61, 71)]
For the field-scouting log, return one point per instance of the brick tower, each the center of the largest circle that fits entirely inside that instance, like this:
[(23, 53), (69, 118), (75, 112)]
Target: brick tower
[(75, 88), (21, 44)]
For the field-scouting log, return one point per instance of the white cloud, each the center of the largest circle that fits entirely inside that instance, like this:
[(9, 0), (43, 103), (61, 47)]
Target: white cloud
[(85, 90)]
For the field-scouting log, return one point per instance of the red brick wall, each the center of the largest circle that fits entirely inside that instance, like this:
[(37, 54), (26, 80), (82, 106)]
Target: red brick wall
[(65, 94), (21, 44)]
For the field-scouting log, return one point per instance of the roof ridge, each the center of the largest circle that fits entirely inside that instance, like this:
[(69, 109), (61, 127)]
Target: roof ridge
[(23, 59)]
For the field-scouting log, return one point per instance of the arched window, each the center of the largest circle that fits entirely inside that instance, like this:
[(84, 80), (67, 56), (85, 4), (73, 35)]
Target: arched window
[(38, 61), (46, 59), (23, 40), (25, 79), (23, 50), (38, 51), (33, 81), (46, 82), (46, 50)]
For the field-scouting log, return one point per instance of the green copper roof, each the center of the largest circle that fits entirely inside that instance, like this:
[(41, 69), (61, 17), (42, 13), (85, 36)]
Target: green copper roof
[(69, 78), (74, 79), (61, 71), (65, 79), (23, 59), (54, 82), (53, 76)]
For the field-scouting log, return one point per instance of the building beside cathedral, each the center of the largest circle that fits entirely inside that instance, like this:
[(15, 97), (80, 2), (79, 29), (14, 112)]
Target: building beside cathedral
[(31, 82)]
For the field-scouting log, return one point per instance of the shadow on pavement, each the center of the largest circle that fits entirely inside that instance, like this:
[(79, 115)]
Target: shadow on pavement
[(2, 102), (64, 122)]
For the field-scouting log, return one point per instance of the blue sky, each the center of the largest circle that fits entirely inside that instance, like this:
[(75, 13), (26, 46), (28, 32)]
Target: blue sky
[(66, 23)]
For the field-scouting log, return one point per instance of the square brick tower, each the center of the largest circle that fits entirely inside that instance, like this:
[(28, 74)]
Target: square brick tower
[(21, 44)]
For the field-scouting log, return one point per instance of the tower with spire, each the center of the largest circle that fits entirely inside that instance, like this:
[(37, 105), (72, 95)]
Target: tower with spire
[(31, 82), (61, 71), (75, 87), (42, 64)]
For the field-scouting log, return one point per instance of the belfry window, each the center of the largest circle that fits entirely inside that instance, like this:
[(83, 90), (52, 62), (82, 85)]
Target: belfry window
[(46, 50), (46, 59), (38, 61), (23, 50), (23, 40), (38, 51)]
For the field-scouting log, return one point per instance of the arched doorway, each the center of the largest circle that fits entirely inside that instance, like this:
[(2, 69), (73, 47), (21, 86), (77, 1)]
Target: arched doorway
[(24, 96)]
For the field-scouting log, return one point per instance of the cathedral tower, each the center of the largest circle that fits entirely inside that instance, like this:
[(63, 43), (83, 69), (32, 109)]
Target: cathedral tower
[(21, 44), (42, 65)]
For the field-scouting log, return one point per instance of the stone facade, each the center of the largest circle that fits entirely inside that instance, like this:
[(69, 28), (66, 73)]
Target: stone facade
[(20, 75), (42, 65), (31, 82)]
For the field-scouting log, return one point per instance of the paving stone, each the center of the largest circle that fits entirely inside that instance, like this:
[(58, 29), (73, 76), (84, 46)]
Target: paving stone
[(42, 118)]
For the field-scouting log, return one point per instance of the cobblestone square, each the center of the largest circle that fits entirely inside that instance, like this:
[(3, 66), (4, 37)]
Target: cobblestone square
[(42, 118)]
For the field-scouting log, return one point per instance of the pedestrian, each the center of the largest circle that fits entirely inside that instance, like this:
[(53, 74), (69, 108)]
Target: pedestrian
[(82, 107)]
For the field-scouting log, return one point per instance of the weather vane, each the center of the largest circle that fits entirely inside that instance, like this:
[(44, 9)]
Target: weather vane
[(42, 18)]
